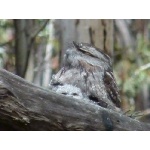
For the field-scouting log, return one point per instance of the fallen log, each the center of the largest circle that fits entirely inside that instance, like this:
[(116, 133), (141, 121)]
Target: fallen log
[(25, 106)]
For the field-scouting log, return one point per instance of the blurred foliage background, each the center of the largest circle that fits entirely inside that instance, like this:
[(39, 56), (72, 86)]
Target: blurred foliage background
[(33, 49)]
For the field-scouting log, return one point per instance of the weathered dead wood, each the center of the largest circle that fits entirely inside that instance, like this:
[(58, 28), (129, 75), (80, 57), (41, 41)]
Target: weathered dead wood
[(24, 106)]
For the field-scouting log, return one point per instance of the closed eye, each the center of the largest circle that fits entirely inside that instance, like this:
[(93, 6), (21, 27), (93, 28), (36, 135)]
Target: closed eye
[(87, 53)]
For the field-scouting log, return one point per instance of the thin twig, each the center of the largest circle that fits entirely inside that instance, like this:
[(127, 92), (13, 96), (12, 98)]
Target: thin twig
[(144, 67)]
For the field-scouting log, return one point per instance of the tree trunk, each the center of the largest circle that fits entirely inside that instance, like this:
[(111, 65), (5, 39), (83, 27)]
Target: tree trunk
[(24, 106), (25, 32), (21, 46)]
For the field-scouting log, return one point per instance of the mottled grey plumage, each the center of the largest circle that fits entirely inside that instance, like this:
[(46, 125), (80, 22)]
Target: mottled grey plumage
[(89, 70)]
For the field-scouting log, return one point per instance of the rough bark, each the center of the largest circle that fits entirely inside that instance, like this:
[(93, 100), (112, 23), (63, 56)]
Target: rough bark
[(24, 106)]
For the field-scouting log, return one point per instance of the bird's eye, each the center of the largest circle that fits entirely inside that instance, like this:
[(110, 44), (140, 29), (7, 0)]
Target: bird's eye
[(87, 53), (64, 93), (74, 94)]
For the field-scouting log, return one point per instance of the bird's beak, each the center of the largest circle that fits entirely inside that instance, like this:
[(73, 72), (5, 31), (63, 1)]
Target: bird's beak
[(75, 45)]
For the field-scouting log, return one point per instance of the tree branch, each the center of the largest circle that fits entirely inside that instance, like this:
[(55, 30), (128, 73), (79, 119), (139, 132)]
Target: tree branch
[(24, 106), (38, 28)]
